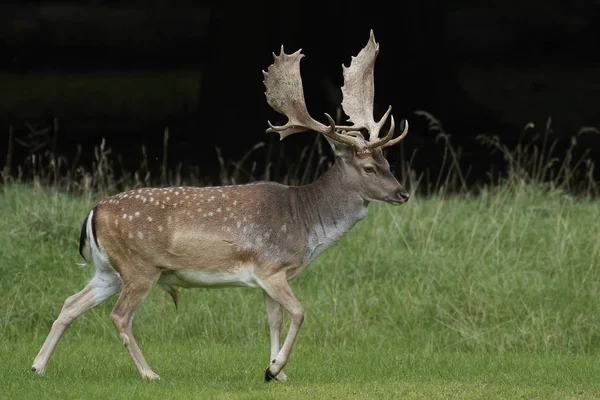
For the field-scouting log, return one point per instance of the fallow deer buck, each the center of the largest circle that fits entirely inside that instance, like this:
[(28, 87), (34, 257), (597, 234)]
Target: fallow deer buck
[(259, 235)]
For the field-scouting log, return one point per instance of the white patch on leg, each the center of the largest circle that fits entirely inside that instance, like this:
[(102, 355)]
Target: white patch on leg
[(105, 284), (100, 257), (106, 280), (281, 377), (124, 339)]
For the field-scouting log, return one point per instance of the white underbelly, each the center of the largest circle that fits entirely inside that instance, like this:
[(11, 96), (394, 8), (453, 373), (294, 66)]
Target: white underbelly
[(240, 276)]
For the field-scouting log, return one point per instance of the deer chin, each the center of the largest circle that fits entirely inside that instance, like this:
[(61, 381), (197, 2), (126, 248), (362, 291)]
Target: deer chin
[(394, 202), (386, 200)]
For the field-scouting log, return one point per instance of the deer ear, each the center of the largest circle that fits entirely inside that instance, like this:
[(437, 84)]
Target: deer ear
[(341, 150)]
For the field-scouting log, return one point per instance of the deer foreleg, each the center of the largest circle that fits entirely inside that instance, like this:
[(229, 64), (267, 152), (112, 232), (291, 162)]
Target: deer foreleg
[(278, 289), (275, 316)]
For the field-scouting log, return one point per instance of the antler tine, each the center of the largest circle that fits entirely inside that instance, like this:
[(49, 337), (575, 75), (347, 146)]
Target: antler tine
[(374, 133), (399, 138), (387, 140), (285, 95), (356, 142)]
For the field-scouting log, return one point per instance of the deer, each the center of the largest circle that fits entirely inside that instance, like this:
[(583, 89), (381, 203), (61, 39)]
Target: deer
[(260, 234)]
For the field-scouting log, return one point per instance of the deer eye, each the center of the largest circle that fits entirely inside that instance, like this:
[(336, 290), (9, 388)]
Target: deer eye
[(369, 169)]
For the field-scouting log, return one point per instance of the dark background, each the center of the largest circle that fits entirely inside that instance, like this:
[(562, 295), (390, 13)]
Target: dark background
[(125, 70)]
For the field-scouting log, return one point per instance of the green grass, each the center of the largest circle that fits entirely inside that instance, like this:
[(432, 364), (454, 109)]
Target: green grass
[(489, 296), (87, 368)]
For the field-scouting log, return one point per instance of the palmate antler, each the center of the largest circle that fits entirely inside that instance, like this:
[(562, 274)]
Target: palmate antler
[(359, 93), (285, 95)]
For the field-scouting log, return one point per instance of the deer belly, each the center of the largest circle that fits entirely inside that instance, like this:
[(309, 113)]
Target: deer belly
[(239, 276)]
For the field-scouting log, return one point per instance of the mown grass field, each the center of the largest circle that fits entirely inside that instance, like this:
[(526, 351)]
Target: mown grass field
[(488, 296)]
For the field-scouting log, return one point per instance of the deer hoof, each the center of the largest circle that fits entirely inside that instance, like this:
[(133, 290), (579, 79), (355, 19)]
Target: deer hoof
[(280, 377), (39, 371), (268, 375)]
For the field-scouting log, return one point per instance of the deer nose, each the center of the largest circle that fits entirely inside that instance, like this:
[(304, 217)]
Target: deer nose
[(403, 194)]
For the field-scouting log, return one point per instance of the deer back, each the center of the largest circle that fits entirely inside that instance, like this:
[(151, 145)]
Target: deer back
[(201, 228)]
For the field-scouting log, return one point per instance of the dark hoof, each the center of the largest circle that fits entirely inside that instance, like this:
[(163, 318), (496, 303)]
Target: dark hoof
[(33, 369), (268, 376)]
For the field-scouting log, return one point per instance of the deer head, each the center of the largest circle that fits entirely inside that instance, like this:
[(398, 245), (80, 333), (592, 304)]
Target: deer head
[(366, 169)]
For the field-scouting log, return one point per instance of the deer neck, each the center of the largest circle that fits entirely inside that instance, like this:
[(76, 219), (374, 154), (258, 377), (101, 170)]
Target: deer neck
[(329, 208)]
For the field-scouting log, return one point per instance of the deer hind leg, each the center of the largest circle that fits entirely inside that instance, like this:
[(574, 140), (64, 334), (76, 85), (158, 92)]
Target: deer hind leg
[(102, 286), (133, 293), (275, 316), (278, 289)]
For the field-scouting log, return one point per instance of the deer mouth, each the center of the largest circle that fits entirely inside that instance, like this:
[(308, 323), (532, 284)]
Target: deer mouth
[(401, 198), (395, 202)]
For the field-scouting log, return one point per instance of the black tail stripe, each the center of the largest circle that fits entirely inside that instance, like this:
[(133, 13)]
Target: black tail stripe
[(83, 236), (94, 226)]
